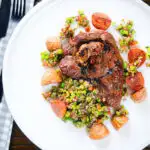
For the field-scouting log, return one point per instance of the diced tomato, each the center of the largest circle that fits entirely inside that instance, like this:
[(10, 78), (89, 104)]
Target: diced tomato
[(101, 21), (139, 96), (87, 29), (119, 121), (91, 88), (136, 55), (59, 107), (98, 131), (135, 82)]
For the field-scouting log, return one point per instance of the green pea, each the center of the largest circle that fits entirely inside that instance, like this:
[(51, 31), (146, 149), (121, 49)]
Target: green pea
[(133, 32), (113, 23), (59, 51), (125, 65), (98, 100), (62, 85), (129, 27), (81, 12), (117, 113), (124, 32), (133, 68), (119, 27), (70, 20)]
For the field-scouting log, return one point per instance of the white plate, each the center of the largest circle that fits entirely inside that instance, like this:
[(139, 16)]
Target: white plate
[(22, 74)]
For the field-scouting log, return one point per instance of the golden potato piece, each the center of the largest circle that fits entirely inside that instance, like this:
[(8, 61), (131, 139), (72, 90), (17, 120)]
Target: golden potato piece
[(59, 107), (51, 76), (139, 96), (98, 131), (119, 121), (53, 43)]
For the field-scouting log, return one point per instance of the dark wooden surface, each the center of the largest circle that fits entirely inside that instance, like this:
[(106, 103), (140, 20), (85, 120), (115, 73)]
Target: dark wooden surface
[(20, 142)]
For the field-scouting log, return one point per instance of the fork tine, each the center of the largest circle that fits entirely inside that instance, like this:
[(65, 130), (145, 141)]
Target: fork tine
[(20, 9), (17, 5), (13, 9), (24, 7)]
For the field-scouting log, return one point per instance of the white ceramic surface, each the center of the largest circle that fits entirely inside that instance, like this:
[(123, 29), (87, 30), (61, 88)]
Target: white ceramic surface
[(22, 73)]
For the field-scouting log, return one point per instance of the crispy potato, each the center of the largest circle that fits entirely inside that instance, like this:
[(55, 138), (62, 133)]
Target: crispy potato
[(139, 96), (119, 121), (51, 76), (98, 131), (53, 43), (59, 107)]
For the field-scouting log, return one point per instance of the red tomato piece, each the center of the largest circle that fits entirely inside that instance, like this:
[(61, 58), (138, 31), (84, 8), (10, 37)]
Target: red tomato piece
[(59, 107), (135, 82), (101, 21), (137, 55)]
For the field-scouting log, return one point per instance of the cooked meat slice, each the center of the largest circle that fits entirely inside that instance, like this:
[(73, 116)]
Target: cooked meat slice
[(107, 37), (69, 67), (95, 55), (67, 47), (113, 87), (88, 50), (83, 37)]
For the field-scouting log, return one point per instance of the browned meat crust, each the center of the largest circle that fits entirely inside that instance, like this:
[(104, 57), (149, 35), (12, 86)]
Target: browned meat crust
[(95, 55)]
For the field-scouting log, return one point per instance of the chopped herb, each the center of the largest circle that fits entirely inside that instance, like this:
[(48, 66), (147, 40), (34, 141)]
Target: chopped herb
[(148, 52), (113, 23), (125, 65), (70, 20), (127, 32), (80, 19), (51, 59), (121, 111)]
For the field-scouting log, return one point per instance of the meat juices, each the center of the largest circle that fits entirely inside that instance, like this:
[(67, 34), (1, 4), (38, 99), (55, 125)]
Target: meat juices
[(94, 55)]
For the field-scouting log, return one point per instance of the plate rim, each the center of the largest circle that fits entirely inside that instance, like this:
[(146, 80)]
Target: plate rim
[(20, 25)]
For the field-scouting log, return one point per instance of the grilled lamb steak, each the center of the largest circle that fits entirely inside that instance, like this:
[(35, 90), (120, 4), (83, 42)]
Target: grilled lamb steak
[(94, 55)]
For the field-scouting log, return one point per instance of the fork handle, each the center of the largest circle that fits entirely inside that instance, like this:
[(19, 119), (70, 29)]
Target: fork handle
[(1, 87)]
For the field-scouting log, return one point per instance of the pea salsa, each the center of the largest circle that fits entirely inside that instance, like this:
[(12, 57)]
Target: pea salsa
[(83, 104)]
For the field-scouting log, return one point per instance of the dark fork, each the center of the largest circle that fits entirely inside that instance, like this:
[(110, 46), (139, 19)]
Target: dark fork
[(19, 9)]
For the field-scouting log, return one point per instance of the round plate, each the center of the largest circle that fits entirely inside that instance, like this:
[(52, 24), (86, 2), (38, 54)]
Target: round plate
[(23, 70)]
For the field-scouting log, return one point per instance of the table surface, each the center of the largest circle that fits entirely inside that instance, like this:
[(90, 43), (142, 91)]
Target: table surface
[(20, 142)]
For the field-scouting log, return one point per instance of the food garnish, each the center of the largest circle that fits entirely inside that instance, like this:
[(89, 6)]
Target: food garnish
[(80, 20), (127, 40), (148, 56), (83, 104), (51, 59), (121, 111)]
